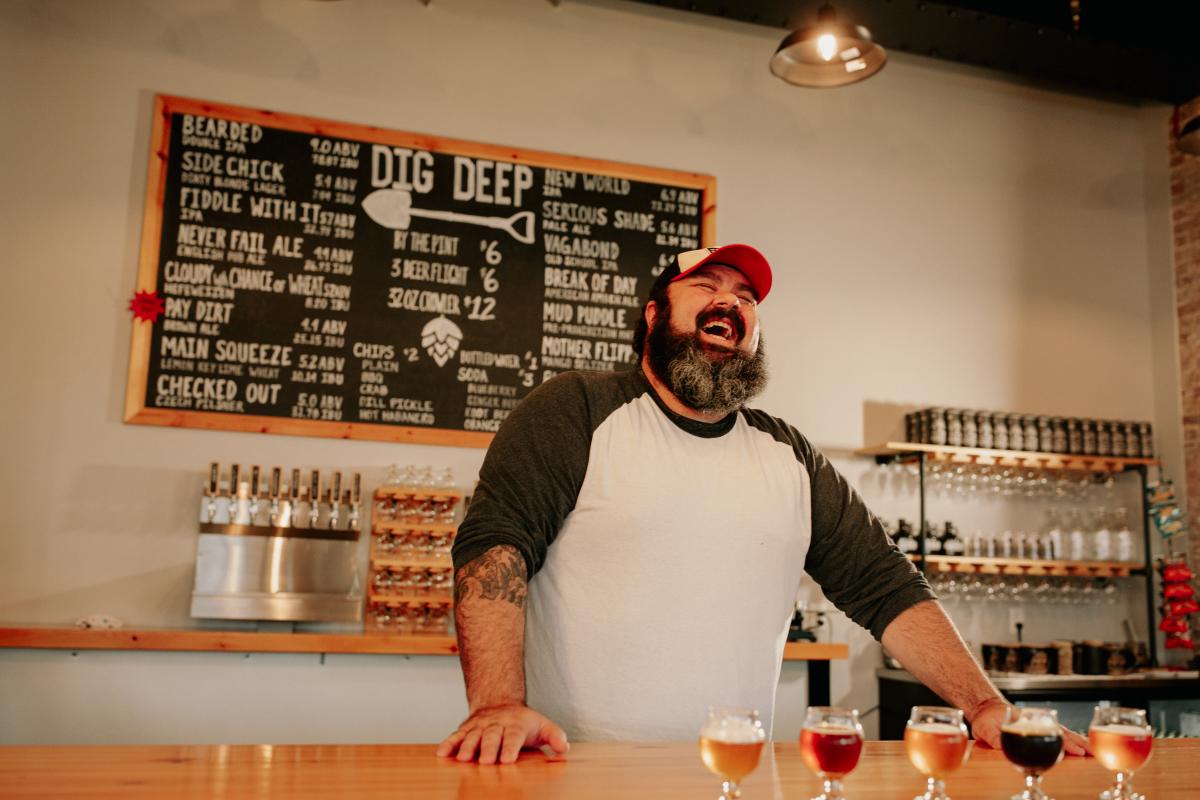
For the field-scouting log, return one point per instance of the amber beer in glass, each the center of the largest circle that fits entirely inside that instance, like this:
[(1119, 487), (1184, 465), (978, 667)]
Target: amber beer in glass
[(935, 739), (1121, 740), (830, 744), (1032, 740), (731, 742)]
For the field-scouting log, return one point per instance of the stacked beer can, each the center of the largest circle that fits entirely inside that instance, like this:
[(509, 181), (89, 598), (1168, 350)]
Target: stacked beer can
[(1003, 430)]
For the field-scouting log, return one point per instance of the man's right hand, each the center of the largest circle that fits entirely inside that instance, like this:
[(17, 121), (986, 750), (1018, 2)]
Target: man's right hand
[(499, 733)]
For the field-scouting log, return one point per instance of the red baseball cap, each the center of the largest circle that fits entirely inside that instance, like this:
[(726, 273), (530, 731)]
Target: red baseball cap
[(742, 257)]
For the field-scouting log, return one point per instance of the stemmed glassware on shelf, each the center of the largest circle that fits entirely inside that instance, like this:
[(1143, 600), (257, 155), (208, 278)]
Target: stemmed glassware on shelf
[(417, 496)]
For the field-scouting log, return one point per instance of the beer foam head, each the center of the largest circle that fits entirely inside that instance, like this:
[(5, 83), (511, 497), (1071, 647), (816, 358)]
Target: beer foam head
[(1119, 729), (733, 730), (1035, 726), (939, 728)]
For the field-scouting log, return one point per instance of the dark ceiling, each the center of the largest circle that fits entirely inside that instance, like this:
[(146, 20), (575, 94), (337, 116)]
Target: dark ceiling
[(1143, 50)]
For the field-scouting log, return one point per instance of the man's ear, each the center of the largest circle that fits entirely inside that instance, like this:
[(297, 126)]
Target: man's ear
[(650, 313)]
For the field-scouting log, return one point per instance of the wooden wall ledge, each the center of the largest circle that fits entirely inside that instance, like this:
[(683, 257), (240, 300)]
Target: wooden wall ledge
[(228, 641), (69, 638)]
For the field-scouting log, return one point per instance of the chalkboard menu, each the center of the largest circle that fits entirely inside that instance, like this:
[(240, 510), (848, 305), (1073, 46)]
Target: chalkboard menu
[(328, 279)]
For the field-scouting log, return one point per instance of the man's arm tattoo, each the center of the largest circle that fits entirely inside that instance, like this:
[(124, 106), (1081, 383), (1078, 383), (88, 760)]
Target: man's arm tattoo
[(498, 574)]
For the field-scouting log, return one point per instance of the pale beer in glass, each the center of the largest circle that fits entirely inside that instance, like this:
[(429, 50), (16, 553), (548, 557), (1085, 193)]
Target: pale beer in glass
[(1121, 740), (936, 742), (731, 742)]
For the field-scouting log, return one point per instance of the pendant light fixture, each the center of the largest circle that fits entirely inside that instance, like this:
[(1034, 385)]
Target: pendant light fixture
[(828, 53)]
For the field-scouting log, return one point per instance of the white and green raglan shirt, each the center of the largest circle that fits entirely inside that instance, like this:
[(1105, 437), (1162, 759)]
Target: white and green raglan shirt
[(665, 554)]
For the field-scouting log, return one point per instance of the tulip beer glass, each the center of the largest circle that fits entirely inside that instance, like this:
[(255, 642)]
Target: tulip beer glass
[(1121, 740), (935, 739), (1033, 742), (830, 743), (731, 742)]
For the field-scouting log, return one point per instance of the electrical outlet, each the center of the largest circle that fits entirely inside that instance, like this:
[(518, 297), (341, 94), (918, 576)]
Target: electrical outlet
[(1015, 615)]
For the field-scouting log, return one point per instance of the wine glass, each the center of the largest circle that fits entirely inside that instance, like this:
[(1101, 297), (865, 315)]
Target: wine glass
[(731, 742), (830, 744), (1032, 740), (935, 739), (1121, 739)]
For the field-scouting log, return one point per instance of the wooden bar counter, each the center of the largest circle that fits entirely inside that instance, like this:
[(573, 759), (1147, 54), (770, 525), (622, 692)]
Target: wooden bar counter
[(608, 771)]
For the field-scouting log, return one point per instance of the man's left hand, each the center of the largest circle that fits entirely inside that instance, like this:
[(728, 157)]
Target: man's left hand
[(987, 720)]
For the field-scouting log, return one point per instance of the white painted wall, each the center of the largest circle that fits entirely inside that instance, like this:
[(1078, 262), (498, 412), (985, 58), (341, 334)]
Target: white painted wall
[(940, 235)]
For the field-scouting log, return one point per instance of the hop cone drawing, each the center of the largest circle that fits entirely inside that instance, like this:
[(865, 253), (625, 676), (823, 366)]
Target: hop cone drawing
[(441, 338)]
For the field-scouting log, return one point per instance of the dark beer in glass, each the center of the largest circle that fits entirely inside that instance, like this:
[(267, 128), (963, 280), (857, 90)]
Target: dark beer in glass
[(1032, 740)]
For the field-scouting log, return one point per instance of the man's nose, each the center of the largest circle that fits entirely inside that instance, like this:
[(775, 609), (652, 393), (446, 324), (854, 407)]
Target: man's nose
[(726, 299)]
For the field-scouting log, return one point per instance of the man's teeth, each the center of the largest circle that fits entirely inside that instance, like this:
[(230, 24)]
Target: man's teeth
[(722, 329)]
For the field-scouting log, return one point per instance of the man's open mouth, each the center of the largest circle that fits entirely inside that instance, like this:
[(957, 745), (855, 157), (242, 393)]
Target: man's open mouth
[(720, 329), (722, 326)]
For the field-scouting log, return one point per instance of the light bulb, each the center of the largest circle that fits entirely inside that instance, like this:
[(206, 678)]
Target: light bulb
[(827, 46)]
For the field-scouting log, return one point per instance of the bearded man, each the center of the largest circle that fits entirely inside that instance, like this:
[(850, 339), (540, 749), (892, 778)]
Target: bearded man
[(635, 545)]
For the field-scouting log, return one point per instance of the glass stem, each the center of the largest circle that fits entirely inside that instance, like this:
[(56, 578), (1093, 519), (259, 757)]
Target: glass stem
[(936, 790), (1032, 789), (730, 790), (1121, 790), (832, 789)]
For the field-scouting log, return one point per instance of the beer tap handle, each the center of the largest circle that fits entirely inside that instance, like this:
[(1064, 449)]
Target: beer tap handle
[(354, 500), (314, 498), (291, 501), (335, 499), (276, 474), (254, 477), (210, 491)]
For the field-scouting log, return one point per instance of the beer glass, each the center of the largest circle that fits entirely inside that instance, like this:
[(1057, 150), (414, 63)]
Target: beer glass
[(731, 742), (830, 743), (1032, 740), (935, 739), (1121, 739)]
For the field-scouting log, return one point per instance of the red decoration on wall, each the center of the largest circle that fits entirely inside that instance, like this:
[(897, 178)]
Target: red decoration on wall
[(147, 306)]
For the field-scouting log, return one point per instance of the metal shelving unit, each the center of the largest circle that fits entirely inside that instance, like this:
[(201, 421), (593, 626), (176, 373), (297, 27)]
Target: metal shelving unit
[(922, 454)]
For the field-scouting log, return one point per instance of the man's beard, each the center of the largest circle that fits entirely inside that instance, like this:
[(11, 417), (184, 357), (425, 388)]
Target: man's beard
[(702, 383)]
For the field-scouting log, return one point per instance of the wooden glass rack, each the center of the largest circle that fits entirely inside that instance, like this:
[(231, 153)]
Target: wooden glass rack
[(1004, 458), (1031, 566)]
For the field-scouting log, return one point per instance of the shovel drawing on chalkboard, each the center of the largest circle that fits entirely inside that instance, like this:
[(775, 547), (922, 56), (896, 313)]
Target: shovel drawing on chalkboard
[(392, 208)]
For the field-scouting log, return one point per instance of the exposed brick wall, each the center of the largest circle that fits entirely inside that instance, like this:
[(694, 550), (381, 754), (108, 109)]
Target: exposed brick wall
[(1185, 229)]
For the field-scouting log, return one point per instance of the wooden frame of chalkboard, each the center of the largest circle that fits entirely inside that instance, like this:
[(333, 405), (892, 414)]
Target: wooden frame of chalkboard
[(259, 240)]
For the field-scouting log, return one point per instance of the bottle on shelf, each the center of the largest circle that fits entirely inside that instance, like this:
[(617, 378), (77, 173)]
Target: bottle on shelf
[(905, 541), (1076, 546), (952, 544), (1123, 537), (1102, 538), (1053, 538), (1004, 545), (933, 544)]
